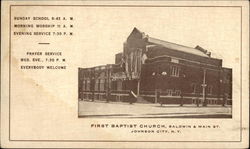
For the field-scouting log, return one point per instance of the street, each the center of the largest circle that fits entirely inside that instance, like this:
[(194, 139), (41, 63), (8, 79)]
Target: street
[(102, 109)]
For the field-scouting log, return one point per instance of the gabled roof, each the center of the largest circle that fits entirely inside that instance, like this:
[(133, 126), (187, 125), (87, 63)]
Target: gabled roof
[(177, 47), (170, 45), (137, 33)]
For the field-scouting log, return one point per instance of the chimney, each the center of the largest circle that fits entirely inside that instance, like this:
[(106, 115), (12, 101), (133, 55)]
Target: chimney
[(203, 50), (200, 49)]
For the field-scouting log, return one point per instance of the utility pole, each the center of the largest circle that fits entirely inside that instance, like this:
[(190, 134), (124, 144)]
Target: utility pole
[(138, 69), (204, 88), (138, 88)]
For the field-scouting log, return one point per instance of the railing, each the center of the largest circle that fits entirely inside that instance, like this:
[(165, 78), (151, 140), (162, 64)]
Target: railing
[(147, 92), (120, 92), (164, 98)]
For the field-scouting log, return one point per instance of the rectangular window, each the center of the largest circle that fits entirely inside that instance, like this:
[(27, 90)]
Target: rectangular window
[(102, 84), (174, 71), (194, 88), (83, 85), (177, 92), (96, 86), (209, 89), (88, 85), (105, 84), (114, 85), (169, 92), (99, 84), (119, 85)]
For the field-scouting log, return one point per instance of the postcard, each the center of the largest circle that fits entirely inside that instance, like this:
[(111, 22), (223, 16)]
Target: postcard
[(125, 74)]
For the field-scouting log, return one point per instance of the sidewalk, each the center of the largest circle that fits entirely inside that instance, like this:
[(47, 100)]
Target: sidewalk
[(140, 110), (156, 104)]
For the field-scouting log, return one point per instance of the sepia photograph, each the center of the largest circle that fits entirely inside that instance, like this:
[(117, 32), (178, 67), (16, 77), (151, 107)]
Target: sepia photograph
[(154, 78)]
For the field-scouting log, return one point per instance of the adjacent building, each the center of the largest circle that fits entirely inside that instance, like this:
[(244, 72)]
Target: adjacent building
[(158, 71)]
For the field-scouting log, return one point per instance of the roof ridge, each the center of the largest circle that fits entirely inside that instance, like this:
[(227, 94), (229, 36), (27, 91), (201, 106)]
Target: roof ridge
[(173, 43)]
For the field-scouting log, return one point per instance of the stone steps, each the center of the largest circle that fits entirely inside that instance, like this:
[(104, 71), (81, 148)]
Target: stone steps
[(140, 99)]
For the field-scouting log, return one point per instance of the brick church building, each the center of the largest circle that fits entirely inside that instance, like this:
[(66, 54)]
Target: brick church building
[(157, 71)]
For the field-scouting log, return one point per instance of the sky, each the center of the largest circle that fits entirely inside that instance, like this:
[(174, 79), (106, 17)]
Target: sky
[(103, 30)]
